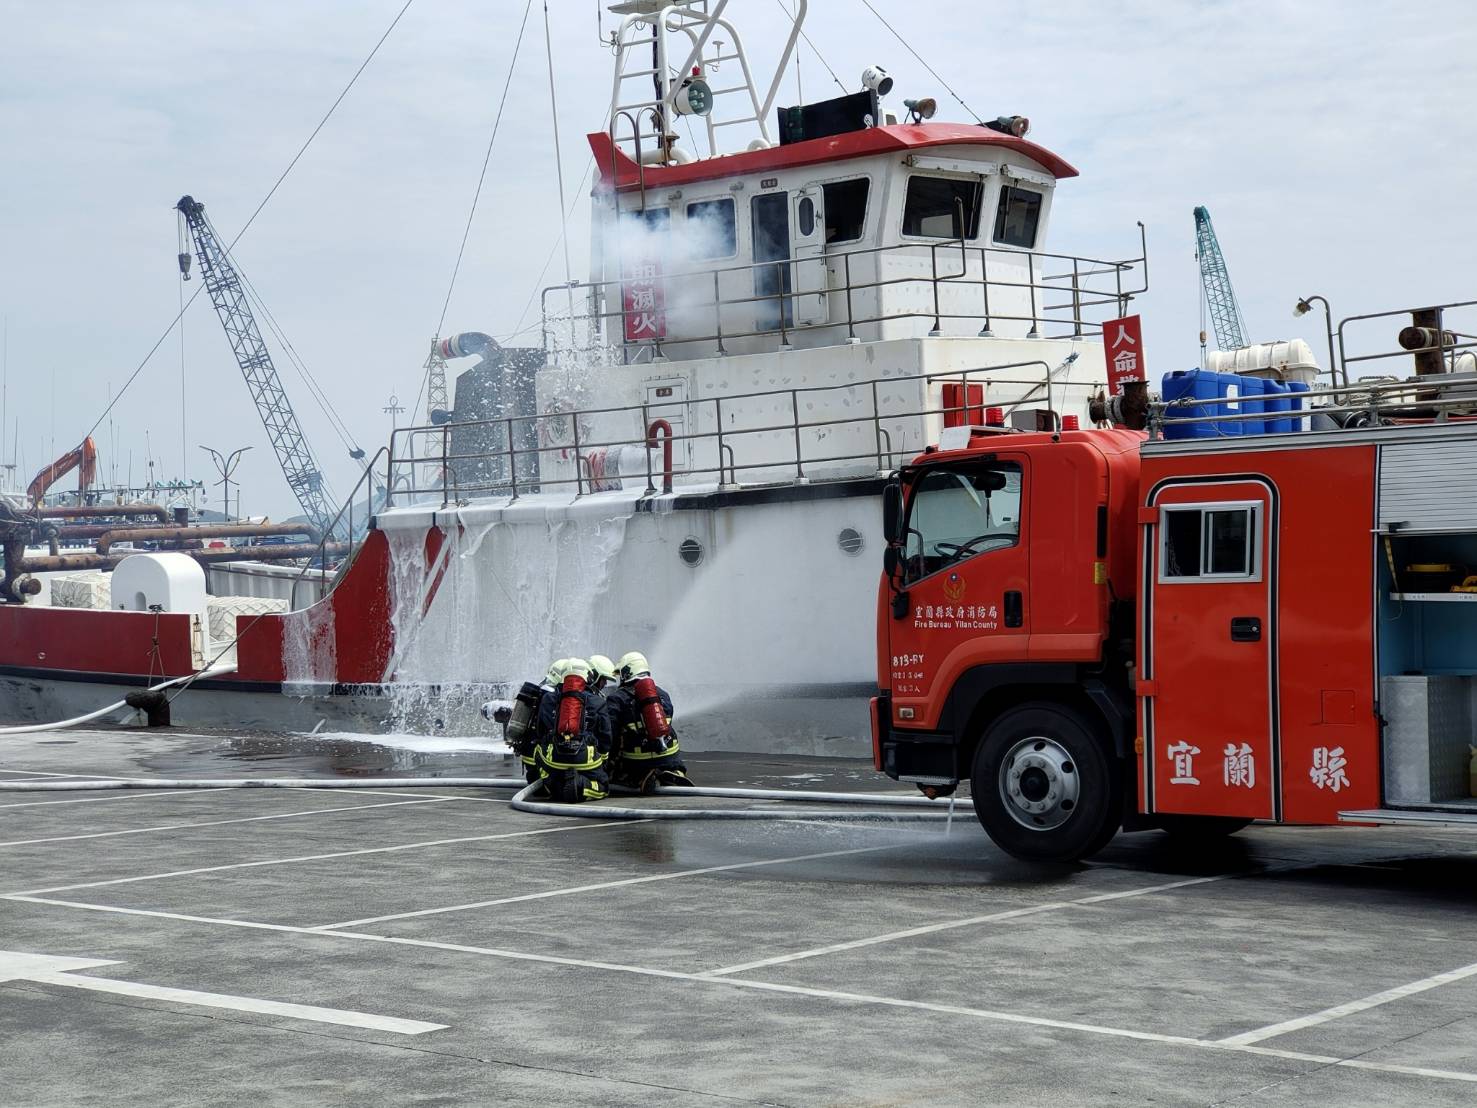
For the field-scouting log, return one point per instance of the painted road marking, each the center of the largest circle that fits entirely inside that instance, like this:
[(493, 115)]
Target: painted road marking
[(322, 857), (105, 799), (218, 822), (50, 970), (951, 925), (1339, 1011), (620, 884), (801, 991)]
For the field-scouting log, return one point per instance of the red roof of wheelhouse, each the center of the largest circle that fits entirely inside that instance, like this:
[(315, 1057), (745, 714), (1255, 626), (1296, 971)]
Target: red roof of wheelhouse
[(895, 138)]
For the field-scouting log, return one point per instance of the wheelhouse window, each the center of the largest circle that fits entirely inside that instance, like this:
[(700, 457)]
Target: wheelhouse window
[(1218, 543), (711, 231), (846, 209), (957, 513), (942, 207), (1017, 217)]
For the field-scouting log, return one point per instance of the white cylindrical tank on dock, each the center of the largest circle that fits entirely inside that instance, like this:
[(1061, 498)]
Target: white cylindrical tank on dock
[(175, 582), (1280, 361)]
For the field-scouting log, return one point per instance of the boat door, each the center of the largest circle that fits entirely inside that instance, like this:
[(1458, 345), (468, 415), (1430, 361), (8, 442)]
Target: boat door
[(770, 216), (667, 399), (1209, 663), (808, 246)]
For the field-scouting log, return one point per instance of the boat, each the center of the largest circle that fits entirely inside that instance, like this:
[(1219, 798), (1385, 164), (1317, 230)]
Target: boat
[(783, 304)]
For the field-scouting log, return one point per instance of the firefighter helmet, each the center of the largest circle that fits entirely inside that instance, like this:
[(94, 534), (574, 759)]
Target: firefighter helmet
[(602, 667), (634, 665), (574, 666), (556, 671)]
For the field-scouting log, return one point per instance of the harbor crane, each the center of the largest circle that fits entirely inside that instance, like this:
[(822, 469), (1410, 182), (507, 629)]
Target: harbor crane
[(1215, 280), (223, 283)]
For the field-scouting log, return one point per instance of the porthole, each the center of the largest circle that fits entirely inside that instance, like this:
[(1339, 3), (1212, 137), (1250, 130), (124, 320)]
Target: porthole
[(850, 541), (691, 552)]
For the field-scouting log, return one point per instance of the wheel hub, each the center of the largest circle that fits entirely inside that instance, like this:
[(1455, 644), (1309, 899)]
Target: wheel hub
[(1039, 784)]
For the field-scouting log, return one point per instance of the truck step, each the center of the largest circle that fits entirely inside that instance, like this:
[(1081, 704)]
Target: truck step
[(1451, 817)]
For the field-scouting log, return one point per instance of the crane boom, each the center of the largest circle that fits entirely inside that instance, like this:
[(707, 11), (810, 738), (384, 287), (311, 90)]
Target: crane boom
[(1220, 298), (226, 293)]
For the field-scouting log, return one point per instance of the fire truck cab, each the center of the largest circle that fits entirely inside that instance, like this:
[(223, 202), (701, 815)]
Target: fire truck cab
[(1099, 630)]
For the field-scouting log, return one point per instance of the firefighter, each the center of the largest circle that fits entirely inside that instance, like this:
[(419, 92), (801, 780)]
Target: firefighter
[(573, 739), (645, 753)]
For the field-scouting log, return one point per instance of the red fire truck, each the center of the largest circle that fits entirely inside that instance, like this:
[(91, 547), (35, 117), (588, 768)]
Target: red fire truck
[(1105, 629)]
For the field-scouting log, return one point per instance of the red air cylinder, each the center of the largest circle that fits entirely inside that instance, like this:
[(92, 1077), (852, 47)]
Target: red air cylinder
[(653, 718), (572, 706)]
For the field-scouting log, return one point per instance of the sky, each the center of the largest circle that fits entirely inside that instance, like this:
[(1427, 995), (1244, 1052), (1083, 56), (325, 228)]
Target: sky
[(1335, 144)]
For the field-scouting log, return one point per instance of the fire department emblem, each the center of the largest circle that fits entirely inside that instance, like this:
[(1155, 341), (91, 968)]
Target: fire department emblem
[(953, 586)]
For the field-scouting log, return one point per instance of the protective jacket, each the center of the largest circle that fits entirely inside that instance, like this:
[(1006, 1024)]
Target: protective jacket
[(572, 767), (638, 759)]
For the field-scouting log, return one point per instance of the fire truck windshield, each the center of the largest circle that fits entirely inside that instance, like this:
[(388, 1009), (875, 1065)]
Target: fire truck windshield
[(960, 511)]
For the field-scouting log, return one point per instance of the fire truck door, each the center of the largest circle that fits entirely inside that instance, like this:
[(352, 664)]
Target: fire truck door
[(1208, 670)]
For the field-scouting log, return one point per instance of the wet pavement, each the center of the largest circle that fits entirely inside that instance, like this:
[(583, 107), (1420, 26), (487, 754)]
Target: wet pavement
[(432, 946)]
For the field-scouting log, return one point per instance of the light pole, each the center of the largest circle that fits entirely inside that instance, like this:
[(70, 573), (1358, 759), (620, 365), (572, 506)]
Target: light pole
[(1302, 308), (226, 466)]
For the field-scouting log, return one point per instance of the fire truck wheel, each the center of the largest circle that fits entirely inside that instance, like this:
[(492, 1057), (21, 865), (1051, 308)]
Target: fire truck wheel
[(1190, 828), (1045, 786)]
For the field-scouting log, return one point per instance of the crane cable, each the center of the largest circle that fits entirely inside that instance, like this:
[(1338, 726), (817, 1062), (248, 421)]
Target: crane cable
[(476, 196), (910, 50), (340, 428), (246, 226)]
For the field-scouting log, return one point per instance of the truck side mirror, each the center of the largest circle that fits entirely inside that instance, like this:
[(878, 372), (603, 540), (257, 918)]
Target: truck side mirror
[(892, 511)]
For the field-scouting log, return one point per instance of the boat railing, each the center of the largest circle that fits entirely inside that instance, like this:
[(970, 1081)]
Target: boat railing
[(943, 282), (424, 464), (354, 530), (1440, 338)]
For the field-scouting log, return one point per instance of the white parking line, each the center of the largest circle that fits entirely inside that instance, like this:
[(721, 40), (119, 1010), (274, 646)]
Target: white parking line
[(599, 886), (106, 799), (951, 925), (1339, 1011), (589, 826), (796, 990), (217, 822)]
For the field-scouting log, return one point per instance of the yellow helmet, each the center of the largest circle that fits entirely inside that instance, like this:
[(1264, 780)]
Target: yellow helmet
[(556, 671), (574, 666), (632, 666), (601, 666)]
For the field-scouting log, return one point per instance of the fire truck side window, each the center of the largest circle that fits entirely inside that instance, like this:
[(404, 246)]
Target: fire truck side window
[(1208, 543), (958, 513)]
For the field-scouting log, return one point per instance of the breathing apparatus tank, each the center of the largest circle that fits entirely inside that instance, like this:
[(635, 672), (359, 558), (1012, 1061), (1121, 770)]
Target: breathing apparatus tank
[(653, 718), (572, 707), (525, 704)]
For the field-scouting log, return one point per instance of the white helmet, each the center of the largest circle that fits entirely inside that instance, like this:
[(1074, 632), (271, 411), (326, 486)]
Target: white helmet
[(632, 666), (601, 666), (556, 671), (573, 666)]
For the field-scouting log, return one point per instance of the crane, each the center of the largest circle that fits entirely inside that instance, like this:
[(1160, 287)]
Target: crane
[(1220, 298), (83, 459), (223, 283)]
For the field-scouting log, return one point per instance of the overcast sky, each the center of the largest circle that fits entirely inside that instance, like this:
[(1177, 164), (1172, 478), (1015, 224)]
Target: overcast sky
[(1333, 142)]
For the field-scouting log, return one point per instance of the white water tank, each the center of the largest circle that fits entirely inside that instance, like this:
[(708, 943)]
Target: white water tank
[(1280, 361), (175, 582)]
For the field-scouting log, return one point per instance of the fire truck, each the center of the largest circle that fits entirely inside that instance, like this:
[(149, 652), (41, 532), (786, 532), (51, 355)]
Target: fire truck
[(1211, 618)]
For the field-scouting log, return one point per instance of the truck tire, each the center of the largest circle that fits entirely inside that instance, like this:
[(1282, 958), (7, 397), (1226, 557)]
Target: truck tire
[(1046, 787), (1200, 828)]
